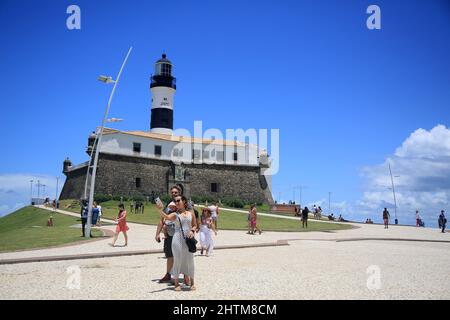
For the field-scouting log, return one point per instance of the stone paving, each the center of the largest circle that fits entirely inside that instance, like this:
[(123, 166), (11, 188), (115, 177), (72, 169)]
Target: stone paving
[(412, 263)]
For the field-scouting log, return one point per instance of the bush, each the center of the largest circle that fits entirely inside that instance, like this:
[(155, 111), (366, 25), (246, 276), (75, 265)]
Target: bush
[(203, 199), (136, 197), (258, 203), (165, 199), (233, 202), (116, 197), (99, 198), (196, 199), (237, 203)]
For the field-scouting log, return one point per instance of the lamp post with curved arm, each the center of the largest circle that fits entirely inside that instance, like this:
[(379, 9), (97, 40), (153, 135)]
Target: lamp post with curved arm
[(99, 141)]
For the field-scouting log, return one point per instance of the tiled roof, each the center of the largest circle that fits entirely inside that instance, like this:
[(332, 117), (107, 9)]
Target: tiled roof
[(168, 137)]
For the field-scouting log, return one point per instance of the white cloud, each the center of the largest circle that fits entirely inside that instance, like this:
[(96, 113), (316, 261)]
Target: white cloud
[(433, 144), (15, 190), (422, 163)]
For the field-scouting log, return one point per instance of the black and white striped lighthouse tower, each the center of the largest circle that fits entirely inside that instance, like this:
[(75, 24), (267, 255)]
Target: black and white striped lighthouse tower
[(163, 87)]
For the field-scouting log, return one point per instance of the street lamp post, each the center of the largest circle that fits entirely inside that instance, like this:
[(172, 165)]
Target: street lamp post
[(31, 191), (56, 194), (39, 189), (97, 149), (393, 191), (300, 188), (329, 203)]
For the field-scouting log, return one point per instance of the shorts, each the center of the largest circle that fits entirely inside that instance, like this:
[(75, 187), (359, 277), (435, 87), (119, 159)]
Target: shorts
[(168, 247), (214, 218)]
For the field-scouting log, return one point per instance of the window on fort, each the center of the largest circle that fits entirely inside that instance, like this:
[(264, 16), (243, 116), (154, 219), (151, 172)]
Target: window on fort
[(138, 182), (196, 154), (220, 155), (136, 147), (158, 150), (214, 187), (235, 156), (177, 152), (205, 154)]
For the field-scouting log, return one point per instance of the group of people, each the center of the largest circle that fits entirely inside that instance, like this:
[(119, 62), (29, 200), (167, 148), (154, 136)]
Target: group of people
[(369, 221), (180, 221), (419, 221), (136, 207), (96, 215), (317, 211), (442, 220)]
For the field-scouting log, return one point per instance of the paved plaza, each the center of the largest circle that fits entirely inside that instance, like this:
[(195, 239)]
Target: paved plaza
[(367, 262)]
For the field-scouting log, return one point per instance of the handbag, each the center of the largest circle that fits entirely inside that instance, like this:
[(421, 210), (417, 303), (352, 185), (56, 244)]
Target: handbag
[(190, 242)]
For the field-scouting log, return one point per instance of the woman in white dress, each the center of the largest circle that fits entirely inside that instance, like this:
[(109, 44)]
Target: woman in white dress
[(183, 259), (206, 229)]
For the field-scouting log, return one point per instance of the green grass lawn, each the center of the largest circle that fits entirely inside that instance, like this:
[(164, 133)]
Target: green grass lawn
[(110, 210), (227, 219), (27, 229), (238, 221)]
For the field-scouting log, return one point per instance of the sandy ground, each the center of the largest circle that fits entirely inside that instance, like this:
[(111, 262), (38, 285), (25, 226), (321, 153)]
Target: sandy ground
[(313, 266)]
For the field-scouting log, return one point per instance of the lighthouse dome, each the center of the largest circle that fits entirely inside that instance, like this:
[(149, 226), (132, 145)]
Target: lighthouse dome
[(164, 59)]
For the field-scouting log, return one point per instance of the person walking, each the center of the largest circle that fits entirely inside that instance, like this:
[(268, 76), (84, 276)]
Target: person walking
[(206, 229), (249, 220), (319, 212), (417, 219), (185, 226), (95, 213), (254, 221), (99, 221), (121, 225), (84, 216), (131, 206), (305, 213), (214, 208), (315, 211), (442, 221), (386, 217)]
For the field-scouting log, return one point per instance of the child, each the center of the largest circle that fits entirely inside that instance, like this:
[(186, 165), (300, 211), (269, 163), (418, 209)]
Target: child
[(50, 222), (206, 225)]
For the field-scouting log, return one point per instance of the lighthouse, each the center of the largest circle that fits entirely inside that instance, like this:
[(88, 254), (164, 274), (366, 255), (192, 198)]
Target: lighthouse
[(163, 87)]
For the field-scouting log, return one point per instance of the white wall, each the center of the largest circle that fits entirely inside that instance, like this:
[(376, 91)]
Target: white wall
[(120, 143)]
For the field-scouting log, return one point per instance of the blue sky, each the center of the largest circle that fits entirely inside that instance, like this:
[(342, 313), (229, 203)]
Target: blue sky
[(345, 98)]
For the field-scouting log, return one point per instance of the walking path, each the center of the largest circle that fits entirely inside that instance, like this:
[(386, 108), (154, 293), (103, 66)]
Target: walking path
[(142, 240)]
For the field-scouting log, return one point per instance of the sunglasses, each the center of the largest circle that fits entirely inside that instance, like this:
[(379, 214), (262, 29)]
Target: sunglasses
[(178, 200)]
